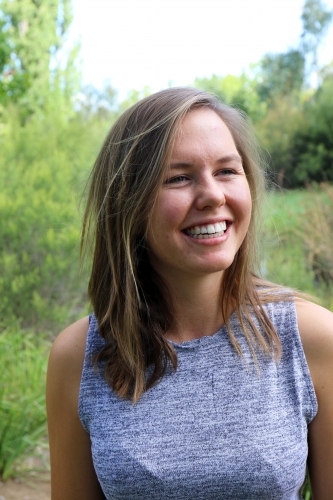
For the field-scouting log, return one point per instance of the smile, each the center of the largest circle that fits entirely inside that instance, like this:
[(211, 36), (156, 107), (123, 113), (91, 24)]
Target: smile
[(209, 231)]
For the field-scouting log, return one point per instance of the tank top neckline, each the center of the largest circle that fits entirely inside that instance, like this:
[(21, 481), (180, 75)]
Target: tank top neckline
[(205, 340)]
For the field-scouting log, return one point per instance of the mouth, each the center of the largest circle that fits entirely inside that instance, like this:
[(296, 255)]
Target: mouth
[(208, 231)]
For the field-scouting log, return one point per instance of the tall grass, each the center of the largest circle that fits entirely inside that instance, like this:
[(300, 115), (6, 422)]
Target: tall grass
[(298, 241), (23, 360), (318, 243)]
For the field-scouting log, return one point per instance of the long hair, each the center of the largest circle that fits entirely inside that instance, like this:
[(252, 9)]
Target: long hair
[(132, 305)]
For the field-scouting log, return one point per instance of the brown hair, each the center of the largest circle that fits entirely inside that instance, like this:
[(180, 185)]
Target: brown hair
[(130, 301)]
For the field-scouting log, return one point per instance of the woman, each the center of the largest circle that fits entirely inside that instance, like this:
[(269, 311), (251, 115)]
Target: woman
[(194, 378)]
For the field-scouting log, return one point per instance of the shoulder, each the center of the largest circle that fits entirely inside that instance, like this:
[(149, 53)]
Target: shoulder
[(72, 470), (67, 357), (71, 343), (315, 325), (316, 331)]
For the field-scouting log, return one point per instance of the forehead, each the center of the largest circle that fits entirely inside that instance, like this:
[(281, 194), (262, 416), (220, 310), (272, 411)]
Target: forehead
[(202, 130)]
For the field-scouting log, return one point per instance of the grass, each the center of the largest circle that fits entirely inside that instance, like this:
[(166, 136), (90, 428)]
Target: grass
[(298, 239), (23, 360)]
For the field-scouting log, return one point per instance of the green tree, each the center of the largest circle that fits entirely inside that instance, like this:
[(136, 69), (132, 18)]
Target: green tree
[(99, 103), (239, 91), (32, 60), (312, 148), (276, 133), (280, 75), (316, 19)]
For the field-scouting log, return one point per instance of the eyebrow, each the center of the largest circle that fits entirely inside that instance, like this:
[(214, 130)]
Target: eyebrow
[(223, 160)]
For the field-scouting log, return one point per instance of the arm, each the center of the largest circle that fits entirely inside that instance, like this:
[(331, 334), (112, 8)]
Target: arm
[(316, 329), (72, 473)]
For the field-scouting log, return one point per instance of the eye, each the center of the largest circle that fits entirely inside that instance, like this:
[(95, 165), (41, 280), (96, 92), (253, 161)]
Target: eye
[(175, 180), (226, 171)]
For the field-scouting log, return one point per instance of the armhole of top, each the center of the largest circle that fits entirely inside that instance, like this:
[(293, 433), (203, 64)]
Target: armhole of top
[(82, 411), (312, 398)]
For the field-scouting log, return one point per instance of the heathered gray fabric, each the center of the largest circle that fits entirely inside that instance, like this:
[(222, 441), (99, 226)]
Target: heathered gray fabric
[(212, 430)]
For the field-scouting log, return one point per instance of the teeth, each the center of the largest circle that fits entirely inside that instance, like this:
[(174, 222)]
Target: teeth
[(208, 231)]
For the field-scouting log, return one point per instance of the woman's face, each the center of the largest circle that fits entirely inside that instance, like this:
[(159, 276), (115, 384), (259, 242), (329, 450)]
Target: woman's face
[(203, 209)]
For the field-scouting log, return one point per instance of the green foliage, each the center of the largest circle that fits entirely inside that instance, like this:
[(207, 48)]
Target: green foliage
[(312, 148), (318, 245), (31, 41), (23, 359), (133, 96), (306, 493), (316, 19), (42, 167), (276, 134), (280, 75), (92, 102), (296, 133), (239, 91), (288, 241)]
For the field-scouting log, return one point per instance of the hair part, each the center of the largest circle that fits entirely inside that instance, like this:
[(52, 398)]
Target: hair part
[(132, 304)]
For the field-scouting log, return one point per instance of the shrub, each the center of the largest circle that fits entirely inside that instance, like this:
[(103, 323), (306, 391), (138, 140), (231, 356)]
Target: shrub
[(43, 165)]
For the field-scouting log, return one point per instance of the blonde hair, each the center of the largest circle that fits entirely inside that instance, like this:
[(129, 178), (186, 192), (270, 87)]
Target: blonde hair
[(131, 303)]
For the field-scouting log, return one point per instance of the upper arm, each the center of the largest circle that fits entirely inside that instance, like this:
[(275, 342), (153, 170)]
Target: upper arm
[(316, 330), (72, 472)]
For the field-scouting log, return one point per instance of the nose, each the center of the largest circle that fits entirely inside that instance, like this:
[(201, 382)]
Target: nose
[(210, 193)]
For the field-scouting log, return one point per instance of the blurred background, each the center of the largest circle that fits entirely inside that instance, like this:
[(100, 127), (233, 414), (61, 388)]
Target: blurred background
[(68, 68)]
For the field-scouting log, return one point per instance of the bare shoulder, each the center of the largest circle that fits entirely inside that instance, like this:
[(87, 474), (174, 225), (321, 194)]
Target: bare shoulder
[(72, 340), (316, 330), (67, 353), (66, 363), (65, 367)]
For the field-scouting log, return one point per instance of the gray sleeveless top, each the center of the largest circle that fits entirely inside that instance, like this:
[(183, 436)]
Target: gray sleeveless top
[(214, 429)]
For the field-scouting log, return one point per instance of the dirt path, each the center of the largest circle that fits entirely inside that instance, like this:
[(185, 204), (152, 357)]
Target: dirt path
[(33, 478), (28, 488)]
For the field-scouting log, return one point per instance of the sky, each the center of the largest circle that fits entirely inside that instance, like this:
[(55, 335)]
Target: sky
[(131, 44)]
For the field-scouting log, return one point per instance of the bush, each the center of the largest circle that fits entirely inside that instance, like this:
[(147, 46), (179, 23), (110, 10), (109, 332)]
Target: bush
[(43, 165)]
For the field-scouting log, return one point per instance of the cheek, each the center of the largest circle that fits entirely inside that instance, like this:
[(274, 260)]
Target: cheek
[(169, 211)]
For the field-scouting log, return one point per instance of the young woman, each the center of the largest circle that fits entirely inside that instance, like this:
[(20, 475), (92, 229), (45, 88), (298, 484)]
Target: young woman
[(194, 378)]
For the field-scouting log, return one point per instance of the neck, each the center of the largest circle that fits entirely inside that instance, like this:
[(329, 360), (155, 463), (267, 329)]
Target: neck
[(197, 306)]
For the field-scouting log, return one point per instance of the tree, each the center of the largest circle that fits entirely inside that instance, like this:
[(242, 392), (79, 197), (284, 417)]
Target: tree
[(312, 148), (31, 58), (239, 91), (280, 75), (276, 133), (316, 20)]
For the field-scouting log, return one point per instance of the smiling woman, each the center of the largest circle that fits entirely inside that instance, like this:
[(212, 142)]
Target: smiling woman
[(194, 377)]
